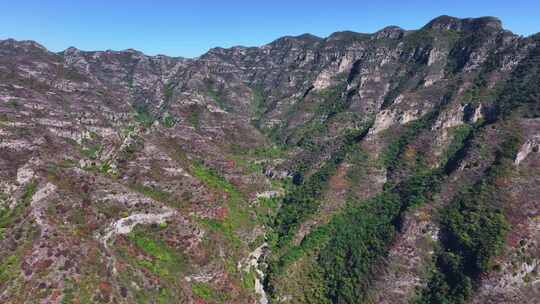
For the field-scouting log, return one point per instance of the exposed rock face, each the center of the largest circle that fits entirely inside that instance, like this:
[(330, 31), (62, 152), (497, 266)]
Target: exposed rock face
[(531, 145), (132, 178)]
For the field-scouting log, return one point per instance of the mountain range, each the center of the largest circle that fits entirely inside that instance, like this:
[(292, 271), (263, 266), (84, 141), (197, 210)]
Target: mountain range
[(400, 166)]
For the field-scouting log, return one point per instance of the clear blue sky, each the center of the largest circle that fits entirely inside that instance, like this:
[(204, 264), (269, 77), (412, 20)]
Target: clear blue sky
[(190, 28)]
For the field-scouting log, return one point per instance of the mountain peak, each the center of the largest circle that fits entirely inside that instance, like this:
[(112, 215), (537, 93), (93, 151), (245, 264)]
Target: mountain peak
[(446, 22), (392, 32), (302, 39), (23, 44)]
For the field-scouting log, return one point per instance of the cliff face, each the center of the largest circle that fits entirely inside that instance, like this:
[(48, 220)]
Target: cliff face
[(393, 167)]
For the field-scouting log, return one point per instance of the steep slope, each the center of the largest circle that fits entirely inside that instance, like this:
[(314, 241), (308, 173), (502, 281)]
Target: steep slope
[(393, 167)]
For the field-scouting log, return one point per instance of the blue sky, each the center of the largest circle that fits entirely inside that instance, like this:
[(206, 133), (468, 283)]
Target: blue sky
[(190, 28)]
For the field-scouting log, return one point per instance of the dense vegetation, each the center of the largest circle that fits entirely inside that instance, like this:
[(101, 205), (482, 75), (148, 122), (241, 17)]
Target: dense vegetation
[(361, 236), (349, 247), (352, 244), (473, 227), (522, 90), (473, 230), (302, 200)]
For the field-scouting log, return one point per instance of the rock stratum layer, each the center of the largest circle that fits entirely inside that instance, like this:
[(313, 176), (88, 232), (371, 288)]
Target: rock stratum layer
[(393, 167)]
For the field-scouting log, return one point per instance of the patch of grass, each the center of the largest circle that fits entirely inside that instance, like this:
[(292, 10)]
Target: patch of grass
[(81, 291), (237, 216), (9, 267), (14, 104), (168, 121), (225, 227), (459, 136), (250, 165), (194, 119), (105, 167), (248, 280), (3, 198), (68, 297), (157, 194), (4, 118), (28, 192), (130, 129), (267, 209), (207, 293), (143, 116), (358, 163), (164, 296), (264, 152), (92, 151), (67, 163), (217, 96), (391, 155), (168, 91), (8, 216), (213, 179), (258, 104), (165, 262), (77, 217), (272, 151)]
